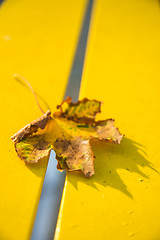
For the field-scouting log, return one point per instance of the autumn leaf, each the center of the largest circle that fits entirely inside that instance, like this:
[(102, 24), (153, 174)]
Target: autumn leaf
[(68, 132)]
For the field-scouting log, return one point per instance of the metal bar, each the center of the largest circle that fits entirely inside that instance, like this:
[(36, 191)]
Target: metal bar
[(48, 209)]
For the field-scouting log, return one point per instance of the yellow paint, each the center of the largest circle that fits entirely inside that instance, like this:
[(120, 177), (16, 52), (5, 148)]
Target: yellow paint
[(38, 41), (121, 201)]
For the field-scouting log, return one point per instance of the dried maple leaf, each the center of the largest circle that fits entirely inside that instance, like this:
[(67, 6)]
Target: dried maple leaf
[(68, 132)]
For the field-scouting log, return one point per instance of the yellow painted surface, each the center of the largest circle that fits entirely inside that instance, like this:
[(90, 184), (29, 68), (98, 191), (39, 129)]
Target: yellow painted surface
[(122, 68), (38, 41)]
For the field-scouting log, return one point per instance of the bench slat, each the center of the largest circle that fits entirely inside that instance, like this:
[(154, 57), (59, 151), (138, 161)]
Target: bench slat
[(121, 201), (38, 41)]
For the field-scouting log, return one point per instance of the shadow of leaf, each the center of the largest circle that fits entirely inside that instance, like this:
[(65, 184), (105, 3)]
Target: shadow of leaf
[(39, 167), (110, 157)]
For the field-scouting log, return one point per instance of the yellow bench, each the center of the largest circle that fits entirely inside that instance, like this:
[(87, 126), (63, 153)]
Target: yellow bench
[(121, 201), (38, 40)]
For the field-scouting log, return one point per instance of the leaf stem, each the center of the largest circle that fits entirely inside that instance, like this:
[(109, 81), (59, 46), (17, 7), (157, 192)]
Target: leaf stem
[(20, 78)]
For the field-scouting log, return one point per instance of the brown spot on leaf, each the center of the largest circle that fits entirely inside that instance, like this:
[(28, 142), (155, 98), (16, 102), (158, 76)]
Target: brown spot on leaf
[(32, 127)]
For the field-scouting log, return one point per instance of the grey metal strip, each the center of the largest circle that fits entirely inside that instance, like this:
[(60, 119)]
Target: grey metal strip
[(1, 1), (48, 209), (77, 67)]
